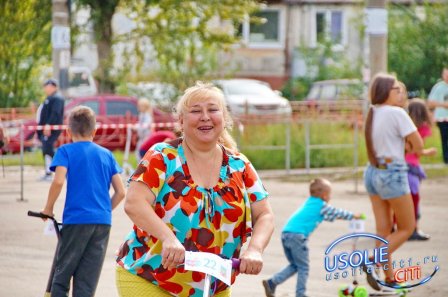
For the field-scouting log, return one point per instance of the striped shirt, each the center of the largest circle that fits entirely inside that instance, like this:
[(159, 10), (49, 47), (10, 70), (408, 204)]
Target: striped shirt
[(331, 213), (313, 211)]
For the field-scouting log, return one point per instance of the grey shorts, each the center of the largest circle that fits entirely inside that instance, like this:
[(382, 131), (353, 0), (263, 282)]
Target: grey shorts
[(391, 181)]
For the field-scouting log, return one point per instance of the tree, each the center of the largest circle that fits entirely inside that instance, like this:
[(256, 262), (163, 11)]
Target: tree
[(418, 44), (180, 33), (24, 45), (101, 13), (187, 36), (321, 63)]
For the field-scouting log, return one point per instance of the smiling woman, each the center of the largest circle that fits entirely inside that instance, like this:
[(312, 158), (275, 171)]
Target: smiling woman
[(196, 193)]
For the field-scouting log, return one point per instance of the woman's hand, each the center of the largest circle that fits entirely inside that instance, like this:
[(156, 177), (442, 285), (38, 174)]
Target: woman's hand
[(173, 253), (251, 262)]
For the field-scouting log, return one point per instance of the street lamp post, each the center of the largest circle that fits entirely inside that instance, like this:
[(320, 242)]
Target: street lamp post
[(60, 40), (376, 28)]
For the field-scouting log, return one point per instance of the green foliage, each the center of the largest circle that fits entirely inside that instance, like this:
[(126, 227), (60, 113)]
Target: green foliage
[(320, 133), (24, 45), (322, 63), (326, 63), (101, 13), (181, 33), (187, 36), (296, 89), (418, 44)]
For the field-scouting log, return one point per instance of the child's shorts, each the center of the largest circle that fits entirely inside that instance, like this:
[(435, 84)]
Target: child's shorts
[(389, 180)]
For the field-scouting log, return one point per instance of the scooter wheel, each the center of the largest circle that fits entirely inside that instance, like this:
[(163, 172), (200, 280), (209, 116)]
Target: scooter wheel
[(361, 292)]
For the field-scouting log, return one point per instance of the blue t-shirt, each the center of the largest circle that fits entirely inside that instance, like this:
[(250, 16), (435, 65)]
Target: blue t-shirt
[(306, 218), (90, 168), (313, 211)]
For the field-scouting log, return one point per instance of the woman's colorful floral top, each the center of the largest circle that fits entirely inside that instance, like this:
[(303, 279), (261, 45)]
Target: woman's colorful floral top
[(215, 220)]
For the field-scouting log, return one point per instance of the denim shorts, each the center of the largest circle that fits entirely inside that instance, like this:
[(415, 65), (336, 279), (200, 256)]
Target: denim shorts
[(390, 182)]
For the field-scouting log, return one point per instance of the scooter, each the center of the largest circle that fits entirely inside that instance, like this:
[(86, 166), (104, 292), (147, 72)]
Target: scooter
[(56, 226), (354, 289), (211, 265)]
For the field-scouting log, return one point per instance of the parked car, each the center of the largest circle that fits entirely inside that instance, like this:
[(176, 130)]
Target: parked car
[(252, 97), (3, 137), (336, 89), (109, 109)]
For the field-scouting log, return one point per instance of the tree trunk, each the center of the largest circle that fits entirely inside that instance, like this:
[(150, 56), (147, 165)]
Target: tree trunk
[(101, 15)]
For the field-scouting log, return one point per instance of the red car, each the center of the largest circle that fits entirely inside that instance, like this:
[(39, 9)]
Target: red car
[(109, 109)]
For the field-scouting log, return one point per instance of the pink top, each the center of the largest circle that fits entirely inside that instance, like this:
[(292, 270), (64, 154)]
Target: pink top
[(411, 158)]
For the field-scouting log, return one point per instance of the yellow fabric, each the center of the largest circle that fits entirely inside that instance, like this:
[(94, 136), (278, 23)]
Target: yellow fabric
[(130, 285)]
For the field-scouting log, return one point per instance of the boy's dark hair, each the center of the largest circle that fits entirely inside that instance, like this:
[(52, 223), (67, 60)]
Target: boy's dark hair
[(81, 121), (418, 111), (318, 187)]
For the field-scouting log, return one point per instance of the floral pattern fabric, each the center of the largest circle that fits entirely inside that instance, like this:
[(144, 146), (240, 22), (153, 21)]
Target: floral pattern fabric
[(215, 220)]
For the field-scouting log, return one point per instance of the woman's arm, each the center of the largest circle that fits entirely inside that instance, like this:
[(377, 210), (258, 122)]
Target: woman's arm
[(138, 207), (263, 227)]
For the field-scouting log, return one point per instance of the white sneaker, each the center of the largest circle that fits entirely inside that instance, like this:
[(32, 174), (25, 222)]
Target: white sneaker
[(46, 178)]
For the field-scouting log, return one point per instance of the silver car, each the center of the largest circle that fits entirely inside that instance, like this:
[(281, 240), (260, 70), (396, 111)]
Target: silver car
[(252, 97)]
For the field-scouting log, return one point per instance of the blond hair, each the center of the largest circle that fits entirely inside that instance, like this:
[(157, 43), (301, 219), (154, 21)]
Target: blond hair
[(203, 91), (144, 103)]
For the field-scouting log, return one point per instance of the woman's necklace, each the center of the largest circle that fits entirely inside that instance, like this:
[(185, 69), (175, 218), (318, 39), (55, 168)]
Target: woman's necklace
[(210, 172)]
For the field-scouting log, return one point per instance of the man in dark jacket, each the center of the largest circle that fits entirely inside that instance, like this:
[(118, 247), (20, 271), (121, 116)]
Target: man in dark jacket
[(51, 113)]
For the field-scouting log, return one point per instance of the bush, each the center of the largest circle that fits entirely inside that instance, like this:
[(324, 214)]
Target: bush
[(296, 89)]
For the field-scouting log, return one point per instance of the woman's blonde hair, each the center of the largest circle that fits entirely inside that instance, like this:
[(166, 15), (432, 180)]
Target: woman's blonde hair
[(203, 91)]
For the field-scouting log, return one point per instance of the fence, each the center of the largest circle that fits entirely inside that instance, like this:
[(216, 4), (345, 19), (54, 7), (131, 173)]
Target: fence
[(17, 113), (242, 122), (304, 115), (129, 128)]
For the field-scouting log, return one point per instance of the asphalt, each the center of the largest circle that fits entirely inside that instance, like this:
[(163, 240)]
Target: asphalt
[(26, 253)]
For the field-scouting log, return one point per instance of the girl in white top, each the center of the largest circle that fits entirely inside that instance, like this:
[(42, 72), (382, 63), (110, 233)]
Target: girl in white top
[(388, 128), (145, 120)]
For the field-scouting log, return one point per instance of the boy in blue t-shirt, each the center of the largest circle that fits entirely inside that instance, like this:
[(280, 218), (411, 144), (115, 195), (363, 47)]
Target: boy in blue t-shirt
[(90, 170), (297, 230)]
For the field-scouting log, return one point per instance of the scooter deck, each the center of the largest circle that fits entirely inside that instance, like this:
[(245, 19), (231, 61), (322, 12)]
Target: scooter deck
[(377, 294), (396, 292)]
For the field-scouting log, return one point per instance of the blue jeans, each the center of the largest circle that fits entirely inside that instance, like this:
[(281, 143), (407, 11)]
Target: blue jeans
[(296, 251), (388, 183)]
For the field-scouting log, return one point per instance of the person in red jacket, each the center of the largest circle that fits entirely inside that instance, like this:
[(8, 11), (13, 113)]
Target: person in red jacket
[(156, 137)]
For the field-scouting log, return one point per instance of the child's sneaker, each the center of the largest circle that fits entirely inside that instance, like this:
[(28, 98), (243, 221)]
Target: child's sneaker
[(393, 286), (269, 288), (371, 276), (46, 178)]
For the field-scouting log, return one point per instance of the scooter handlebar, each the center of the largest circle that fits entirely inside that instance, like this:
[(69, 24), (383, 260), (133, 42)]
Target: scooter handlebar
[(236, 263), (39, 215)]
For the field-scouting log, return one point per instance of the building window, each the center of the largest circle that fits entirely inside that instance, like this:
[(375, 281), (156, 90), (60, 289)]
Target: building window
[(329, 27), (267, 34)]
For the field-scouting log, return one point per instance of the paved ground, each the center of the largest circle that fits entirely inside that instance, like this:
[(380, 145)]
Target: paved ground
[(26, 254)]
